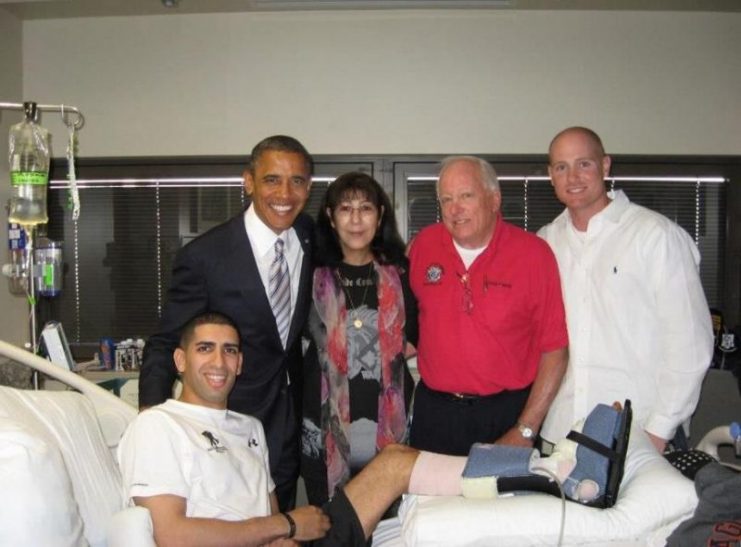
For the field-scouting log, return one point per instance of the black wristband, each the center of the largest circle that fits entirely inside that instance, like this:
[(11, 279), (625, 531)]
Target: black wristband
[(291, 525)]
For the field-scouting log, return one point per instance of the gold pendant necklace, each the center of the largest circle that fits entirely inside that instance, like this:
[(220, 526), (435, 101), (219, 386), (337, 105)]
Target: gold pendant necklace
[(357, 322)]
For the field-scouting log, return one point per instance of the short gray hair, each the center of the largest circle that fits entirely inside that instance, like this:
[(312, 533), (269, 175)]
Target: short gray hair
[(486, 170)]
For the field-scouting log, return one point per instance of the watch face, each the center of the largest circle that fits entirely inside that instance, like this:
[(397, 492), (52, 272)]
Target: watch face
[(526, 432)]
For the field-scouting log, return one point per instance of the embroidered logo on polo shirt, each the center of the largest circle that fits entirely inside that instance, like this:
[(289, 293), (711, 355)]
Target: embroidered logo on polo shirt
[(434, 274), (215, 443), (495, 283)]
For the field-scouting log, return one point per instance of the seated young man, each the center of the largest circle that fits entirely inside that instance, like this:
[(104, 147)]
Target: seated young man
[(202, 470)]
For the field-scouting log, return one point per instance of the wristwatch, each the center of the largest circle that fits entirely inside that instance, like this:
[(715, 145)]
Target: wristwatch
[(526, 431)]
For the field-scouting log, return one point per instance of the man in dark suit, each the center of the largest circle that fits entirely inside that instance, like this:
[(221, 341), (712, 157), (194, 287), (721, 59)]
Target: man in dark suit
[(229, 270)]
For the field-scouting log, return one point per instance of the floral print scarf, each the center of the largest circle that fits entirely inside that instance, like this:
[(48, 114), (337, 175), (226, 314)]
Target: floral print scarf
[(329, 301)]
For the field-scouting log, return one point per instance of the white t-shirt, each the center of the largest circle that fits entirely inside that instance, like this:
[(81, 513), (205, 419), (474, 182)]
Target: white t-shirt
[(216, 459), (468, 255)]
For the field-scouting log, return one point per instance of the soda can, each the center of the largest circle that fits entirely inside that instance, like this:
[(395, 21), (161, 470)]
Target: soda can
[(107, 355)]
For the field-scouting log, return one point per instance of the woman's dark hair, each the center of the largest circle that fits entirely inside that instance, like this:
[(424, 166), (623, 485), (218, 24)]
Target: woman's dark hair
[(387, 245)]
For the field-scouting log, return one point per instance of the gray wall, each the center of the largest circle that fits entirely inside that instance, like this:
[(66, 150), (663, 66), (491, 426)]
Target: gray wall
[(479, 81), (14, 326)]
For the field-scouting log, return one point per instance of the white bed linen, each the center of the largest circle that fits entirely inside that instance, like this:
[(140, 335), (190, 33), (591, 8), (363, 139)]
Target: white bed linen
[(33, 476), (62, 424), (388, 533), (653, 499)]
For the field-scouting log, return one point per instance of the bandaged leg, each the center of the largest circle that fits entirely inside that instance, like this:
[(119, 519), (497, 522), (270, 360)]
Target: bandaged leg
[(561, 464), (588, 464), (602, 447), (437, 475), (562, 461), (488, 464)]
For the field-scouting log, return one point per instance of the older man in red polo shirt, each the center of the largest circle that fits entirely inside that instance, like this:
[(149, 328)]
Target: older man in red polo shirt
[(493, 343)]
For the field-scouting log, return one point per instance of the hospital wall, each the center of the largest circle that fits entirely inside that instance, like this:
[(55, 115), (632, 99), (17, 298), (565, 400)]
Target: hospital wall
[(14, 325), (383, 82)]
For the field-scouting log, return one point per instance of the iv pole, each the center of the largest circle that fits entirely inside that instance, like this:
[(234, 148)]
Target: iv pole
[(73, 125), (65, 110)]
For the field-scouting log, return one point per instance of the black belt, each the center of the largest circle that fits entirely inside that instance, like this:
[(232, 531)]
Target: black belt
[(460, 397)]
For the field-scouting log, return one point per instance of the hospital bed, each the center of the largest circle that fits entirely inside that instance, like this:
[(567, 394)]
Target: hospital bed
[(61, 485), (60, 482)]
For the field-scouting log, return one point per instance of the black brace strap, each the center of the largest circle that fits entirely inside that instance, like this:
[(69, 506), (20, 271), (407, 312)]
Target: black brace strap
[(592, 445)]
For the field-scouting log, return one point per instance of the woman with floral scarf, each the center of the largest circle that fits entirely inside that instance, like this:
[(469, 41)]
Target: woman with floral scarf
[(357, 386)]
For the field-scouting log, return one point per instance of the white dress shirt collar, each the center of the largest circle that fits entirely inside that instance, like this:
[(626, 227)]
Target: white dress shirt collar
[(612, 213), (263, 238)]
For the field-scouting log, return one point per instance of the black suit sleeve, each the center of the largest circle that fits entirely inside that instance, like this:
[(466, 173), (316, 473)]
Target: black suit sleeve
[(187, 298)]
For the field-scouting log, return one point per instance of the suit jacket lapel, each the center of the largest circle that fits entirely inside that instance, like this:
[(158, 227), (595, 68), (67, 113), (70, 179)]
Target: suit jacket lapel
[(304, 285), (246, 264)]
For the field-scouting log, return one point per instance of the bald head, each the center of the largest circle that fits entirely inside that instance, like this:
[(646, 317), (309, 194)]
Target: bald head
[(578, 166), (592, 138)]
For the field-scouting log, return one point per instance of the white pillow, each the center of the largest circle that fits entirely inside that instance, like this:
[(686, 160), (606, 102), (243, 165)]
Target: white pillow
[(36, 502), (67, 420), (652, 495)]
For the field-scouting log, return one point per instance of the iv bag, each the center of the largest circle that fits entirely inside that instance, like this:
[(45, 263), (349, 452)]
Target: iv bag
[(29, 170)]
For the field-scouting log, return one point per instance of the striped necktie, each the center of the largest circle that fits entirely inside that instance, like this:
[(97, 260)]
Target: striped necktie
[(280, 291)]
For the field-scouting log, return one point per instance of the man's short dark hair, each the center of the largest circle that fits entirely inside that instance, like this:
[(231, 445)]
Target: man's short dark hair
[(280, 143), (206, 318)]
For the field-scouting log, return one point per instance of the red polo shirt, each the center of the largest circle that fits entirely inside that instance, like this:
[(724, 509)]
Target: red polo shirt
[(484, 330)]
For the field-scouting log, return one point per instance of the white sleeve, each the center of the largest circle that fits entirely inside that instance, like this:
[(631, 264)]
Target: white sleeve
[(265, 455), (153, 458), (684, 327)]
